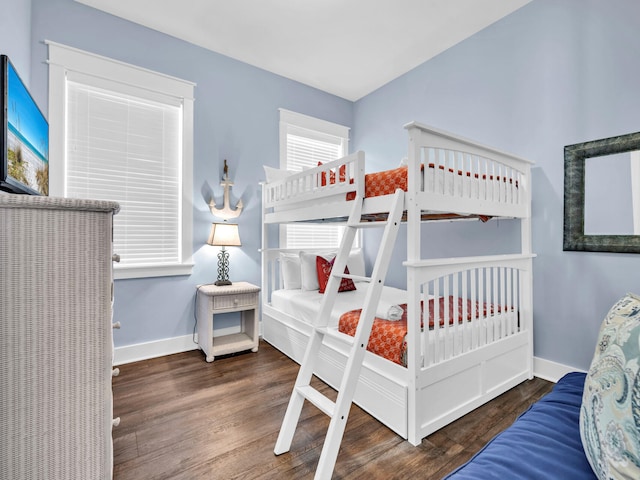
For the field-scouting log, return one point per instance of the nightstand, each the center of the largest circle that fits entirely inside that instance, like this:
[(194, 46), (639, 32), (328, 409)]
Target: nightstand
[(212, 300)]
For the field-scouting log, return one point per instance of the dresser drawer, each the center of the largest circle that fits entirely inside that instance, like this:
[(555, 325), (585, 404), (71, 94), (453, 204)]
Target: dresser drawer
[(221, 302)]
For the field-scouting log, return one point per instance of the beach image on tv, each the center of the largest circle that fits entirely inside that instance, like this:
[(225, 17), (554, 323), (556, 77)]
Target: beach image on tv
[(27, 137)]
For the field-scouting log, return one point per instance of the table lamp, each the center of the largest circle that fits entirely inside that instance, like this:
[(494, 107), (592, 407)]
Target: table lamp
[(224, 235)]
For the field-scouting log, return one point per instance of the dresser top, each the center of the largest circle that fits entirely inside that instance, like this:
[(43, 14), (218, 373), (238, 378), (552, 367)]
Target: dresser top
[(56, 203)]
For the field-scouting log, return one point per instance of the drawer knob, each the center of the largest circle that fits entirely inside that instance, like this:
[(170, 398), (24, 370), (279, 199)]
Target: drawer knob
[(116, 325), (115, 258), (115, 372), (116, 421)]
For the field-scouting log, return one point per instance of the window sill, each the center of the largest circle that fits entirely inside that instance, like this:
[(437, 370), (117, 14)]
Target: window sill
[(149, 271)]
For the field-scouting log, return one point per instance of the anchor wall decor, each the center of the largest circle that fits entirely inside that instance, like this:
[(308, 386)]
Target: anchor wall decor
[(226, 211)]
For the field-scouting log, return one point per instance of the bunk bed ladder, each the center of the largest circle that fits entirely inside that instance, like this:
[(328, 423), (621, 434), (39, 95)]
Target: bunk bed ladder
[(338, 411)]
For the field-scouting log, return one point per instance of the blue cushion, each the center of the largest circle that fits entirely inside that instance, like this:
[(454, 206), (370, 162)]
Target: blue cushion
[(543, 443)]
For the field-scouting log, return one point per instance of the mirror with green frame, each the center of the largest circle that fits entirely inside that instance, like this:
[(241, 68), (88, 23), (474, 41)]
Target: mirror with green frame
[(602, 195)]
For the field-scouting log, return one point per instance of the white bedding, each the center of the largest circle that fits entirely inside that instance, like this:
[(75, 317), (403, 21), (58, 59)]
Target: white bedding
[(304, 305)]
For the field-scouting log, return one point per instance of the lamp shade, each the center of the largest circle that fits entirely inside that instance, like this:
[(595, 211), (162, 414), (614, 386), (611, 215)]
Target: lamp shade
[(224, 235)]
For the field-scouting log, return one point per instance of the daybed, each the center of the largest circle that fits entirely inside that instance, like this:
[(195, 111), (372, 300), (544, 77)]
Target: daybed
[(479, 343), (543, 443), (588, 427)]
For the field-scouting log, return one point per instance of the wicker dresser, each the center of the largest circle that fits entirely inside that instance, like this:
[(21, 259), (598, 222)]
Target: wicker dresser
[(56, 341)]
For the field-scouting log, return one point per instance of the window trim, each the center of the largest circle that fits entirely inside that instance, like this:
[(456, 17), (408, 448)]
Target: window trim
[(64, 60), (299, 121)]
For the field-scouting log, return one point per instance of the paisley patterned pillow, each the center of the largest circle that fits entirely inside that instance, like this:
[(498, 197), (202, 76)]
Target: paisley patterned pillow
[(610, 412)]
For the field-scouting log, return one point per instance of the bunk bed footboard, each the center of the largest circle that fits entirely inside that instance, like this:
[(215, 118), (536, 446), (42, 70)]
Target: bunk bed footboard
[(483, 345)]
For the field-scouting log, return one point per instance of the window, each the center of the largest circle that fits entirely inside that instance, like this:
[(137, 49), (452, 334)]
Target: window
[(122, 133), (305, 141)]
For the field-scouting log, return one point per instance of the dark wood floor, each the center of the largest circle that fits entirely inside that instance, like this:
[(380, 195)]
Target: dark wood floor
[(183, 418)]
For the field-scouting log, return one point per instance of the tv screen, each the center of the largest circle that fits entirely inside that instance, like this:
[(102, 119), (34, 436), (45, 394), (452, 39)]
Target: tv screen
[(24, 167)]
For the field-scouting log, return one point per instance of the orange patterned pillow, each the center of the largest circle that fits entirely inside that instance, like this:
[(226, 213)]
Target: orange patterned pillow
[(323, 267)]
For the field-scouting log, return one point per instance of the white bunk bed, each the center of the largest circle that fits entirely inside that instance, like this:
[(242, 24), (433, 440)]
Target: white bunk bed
[(457, 366)]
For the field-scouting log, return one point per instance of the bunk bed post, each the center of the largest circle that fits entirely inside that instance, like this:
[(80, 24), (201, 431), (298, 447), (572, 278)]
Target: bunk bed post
[(525, 223), (263, 252), (413, 187), (413, 287), (527, 288)]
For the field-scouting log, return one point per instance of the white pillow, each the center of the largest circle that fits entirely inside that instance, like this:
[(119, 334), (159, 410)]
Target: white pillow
[(274, 174), (355, 262), (290, 266), (309, 273)]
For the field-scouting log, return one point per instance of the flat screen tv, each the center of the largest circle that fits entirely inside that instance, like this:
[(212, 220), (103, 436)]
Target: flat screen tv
[(24, 140)]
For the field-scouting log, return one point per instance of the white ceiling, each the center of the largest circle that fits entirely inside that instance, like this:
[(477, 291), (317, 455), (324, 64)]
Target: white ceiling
[(345, 47)]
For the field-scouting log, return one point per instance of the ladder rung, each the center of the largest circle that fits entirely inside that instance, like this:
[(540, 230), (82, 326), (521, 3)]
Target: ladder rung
[(334, 332), (356, 278), (325, 404)]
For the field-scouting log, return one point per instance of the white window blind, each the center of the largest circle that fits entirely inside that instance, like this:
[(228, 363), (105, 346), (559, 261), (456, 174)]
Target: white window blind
[(304, 151), (127, 149), (308, 141), (124, 133)]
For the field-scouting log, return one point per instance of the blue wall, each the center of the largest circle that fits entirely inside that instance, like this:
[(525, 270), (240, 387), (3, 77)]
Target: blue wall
[(236, 117), (551, 74), (15, 35)]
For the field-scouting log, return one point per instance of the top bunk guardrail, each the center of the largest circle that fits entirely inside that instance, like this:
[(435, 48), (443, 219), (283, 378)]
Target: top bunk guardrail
[(315, 193), (445, 174)]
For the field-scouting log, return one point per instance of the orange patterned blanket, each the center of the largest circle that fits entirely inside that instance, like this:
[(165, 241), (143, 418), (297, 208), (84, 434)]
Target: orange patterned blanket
[(388, 337), (383, 183), (386, 182)]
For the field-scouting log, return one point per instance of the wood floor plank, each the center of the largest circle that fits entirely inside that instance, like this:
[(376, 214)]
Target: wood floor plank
[(185, 419)]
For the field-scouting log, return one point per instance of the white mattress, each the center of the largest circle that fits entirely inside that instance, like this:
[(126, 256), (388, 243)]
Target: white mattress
[(304, 304)]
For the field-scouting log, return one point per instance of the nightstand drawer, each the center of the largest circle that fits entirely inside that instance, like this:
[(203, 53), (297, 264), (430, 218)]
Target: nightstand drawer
[(235, 300)]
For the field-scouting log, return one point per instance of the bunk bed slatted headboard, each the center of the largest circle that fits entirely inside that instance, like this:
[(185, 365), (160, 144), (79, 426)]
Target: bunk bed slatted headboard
[(460, 175)]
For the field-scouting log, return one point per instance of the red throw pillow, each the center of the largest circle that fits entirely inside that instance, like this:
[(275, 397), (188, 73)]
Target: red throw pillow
[(332, 175), (323, 267)]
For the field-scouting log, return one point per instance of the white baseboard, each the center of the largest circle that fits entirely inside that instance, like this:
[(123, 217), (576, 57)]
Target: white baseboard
[(551, 371), (545, 369), (157, 348), (160, 348)]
